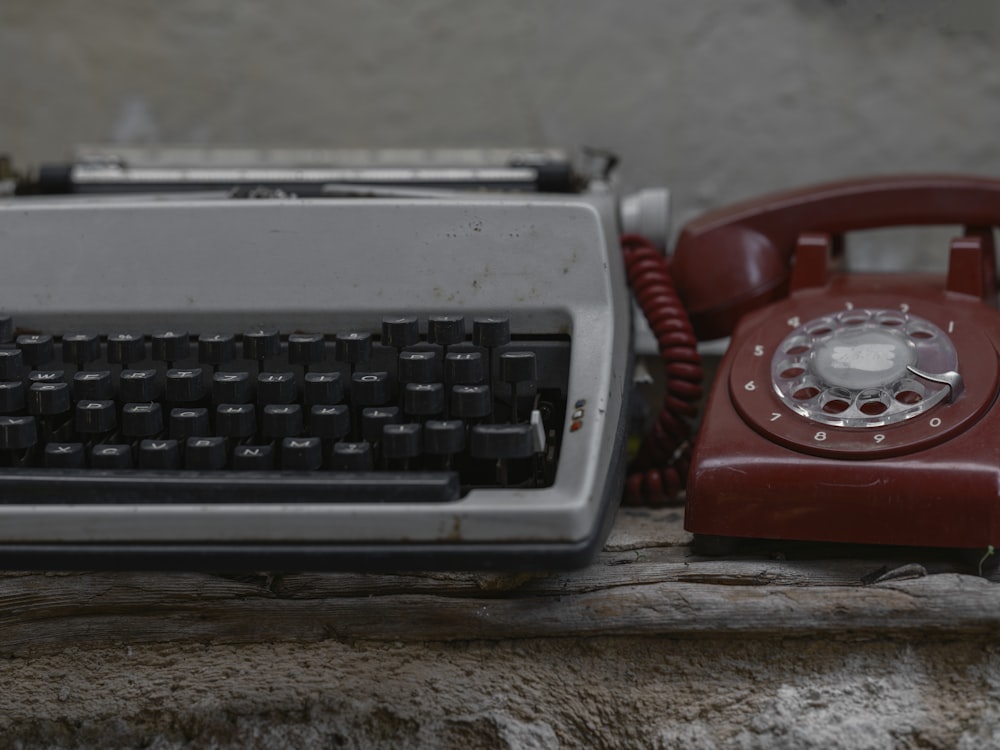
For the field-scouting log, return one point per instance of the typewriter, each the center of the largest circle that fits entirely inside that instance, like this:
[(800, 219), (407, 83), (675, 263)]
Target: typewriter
[(389, 363)]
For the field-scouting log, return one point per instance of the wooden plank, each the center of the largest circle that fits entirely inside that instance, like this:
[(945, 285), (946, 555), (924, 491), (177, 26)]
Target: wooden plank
[(101, 611), (646, 583)]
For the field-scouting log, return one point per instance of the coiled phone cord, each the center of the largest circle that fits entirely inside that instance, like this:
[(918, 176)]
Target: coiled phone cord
[(658, 472)]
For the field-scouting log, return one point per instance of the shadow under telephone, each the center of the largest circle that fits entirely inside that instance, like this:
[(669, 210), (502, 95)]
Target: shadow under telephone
[(849, 407)]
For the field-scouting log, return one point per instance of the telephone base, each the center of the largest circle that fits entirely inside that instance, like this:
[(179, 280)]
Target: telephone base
[(815, 431)]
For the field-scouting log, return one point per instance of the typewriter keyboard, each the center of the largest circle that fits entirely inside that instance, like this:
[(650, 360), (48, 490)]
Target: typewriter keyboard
[(414, 409)]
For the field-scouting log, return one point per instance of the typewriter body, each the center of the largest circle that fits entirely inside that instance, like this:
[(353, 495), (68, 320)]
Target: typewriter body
[(415, 380)]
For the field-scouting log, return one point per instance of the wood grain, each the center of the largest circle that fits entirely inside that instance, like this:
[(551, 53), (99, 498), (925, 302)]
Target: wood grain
[(647, 582)]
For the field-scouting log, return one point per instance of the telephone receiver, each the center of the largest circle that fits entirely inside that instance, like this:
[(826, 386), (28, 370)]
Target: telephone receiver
[(732, 260), (849, 407)]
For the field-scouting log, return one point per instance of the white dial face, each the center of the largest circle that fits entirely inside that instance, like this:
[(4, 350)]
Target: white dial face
[(864, 368)]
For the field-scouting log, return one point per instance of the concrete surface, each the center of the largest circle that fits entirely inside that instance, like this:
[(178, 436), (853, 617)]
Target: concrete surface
[(541, 695)]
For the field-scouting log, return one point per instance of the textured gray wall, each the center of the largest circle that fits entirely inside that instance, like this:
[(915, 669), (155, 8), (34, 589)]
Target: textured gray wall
[(719, 99)]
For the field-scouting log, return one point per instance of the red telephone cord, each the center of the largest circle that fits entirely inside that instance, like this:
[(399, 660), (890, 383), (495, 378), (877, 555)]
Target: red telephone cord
[(659, 470)]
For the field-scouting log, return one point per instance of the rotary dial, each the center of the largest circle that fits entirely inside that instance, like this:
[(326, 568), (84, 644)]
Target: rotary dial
[(865, 368)]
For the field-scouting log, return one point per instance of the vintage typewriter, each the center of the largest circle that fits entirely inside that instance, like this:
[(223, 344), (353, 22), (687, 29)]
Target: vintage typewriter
[(388, 362)]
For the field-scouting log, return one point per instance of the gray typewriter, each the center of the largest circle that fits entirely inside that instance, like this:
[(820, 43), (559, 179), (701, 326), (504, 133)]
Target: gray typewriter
[(370, 367)]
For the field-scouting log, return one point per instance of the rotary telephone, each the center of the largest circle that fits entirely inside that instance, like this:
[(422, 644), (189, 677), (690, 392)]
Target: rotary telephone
[(849, 407)]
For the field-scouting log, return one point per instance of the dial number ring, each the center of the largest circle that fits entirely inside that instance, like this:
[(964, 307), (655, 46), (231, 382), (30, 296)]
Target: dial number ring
[(866, 416)]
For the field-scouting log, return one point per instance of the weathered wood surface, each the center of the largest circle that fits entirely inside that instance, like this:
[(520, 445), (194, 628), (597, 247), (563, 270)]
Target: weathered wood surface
[(647, 582)]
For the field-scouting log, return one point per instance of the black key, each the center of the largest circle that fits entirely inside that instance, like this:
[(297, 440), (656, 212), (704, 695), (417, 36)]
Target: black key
[(353, 347), (92, 384), (17, 433), (11, 396), (142, 420), (126, 348), (401, 441), (501, 441), (159, 454), (423, 399), (170, 346), (301, 453), (37, 349), (6, 329), (95, 417), (446, 330), (306, 348), (400, 332), (490, 332), (81, 348), (216, 348), (370, 388), (48, 399), (46, 376), (282, 420), (232, 388), (11, 364), (236, 420), (517, 367), (471, 401), (64, 456), (111, 456), (261, 344), (418, 367), (276, 388), (135, 386), (464, 368), (253, 457), (374, 418), (184, 386), (444, 437), (322, 388), (189, 422), (205, 453), (352, 456), (329, 421)]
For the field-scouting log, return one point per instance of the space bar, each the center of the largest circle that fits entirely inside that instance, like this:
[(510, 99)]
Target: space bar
[(58, 486)]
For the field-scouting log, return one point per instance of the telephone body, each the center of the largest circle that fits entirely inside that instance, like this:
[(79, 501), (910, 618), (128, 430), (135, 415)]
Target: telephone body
[(849, 407)]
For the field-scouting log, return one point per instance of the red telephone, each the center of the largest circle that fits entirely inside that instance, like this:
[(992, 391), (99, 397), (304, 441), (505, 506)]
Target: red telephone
[(849, 407)]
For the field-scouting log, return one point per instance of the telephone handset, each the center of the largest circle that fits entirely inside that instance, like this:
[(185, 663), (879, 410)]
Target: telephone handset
[(849, 407), (734, 259)]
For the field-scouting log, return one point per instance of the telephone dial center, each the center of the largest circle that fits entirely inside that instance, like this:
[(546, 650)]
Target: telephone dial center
[(863, 359)]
